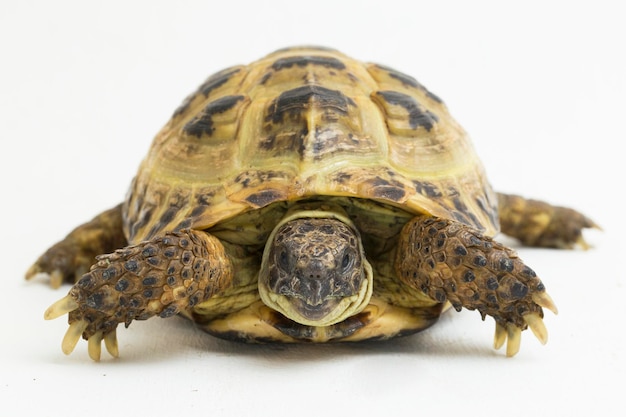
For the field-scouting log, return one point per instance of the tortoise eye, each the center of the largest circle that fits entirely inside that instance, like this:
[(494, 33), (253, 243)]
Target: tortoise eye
[(347, 261), (283, 261)]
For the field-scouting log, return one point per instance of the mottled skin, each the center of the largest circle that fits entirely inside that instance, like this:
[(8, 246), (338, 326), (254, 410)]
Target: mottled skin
[(315, 263), (308, 197), (69, 259), (536, 223)]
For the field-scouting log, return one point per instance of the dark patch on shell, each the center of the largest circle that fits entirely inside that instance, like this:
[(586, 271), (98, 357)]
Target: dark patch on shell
[(343, 177), (214, 81), (203, 122), (490, 211), (408, 80), (427, 189), (185, 224), (387, 190), (458, 204), (256, 178), (265, 77), (168, 215), (144, 219), (286, 142), (481, 205), (389, 193), (400, 76), (217, 80), (199, 210), (263, 198), (304, 60), (463, 214), (417, 116), (295, 102), (177, 201), (305, 47), (205, 197)]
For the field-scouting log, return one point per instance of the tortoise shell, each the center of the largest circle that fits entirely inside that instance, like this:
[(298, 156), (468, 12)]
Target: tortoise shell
[(305, 122)]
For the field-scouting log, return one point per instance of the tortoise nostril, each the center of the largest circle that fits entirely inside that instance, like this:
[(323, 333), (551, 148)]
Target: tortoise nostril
[(314, 291)]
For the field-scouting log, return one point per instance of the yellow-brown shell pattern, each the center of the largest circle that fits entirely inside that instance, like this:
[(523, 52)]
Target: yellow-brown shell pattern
[(305, 122)]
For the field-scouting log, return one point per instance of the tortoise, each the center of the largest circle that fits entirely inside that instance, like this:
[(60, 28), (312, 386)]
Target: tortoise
[(308, 197)]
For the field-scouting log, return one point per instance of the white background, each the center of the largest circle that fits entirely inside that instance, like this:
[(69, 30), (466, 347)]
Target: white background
[(540, 87)]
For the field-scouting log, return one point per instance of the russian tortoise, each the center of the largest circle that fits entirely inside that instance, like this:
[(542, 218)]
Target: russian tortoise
[(307, 197)]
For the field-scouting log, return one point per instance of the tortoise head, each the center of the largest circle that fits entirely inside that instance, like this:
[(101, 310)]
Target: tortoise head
[(314, 270)]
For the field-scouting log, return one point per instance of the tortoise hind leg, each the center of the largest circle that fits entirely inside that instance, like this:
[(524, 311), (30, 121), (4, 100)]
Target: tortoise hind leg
[(69, 259), (161, 276), (535, 223), (450, 261)]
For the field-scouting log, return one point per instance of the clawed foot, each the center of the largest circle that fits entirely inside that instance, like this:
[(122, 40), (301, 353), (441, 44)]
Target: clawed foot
[(511, 334), (60, 265), (69, 259), (55, 277), (159, 277), (452, 262), (537, 223), (63, 262), (569, 225), (78, 326)]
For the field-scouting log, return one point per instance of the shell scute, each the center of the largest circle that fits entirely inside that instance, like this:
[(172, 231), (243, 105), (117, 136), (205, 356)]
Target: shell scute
[(393, 79), (306, 122), (224, 80), (218, 119), (297, 102), (304, 60), (404, 113)]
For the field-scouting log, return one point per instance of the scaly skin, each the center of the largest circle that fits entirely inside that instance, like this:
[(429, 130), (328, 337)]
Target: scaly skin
[(69, 259), (535, 223), (435, 256), (452, 262), (158, 277)]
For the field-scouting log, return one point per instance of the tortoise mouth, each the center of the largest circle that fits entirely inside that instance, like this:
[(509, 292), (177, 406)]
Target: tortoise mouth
[(330, 311), (315, 312)]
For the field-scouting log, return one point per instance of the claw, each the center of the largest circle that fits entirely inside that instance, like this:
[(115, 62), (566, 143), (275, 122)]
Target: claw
[(511, 334), (32, 271), (56, 276), (545, 301), (56, 279), (514, 335), (500, 336), (94, 346), (110, 342), (72, 336), (581, 242), (592, 225), (535, 322), (61, 307)]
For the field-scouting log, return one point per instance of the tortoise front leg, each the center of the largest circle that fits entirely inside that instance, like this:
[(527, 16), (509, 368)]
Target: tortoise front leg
[(535, 223), (69, 259), (452, 262), (158, 277)]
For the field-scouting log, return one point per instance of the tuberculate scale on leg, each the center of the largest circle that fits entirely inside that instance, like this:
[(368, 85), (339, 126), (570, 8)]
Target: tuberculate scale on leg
[(159, 277), (452, 262)]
